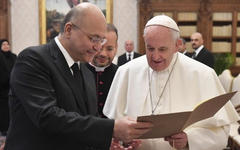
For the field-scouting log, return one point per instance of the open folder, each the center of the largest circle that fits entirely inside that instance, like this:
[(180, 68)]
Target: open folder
[(172, 123)]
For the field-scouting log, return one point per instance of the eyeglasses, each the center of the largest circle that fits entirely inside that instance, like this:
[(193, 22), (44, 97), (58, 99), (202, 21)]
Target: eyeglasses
[(95, 39)]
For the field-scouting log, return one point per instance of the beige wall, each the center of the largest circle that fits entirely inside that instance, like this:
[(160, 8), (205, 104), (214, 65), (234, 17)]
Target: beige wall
[(126, 20), (24, 24)]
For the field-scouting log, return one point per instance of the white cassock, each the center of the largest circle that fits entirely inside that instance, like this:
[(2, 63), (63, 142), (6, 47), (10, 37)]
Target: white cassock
[(189, 83)]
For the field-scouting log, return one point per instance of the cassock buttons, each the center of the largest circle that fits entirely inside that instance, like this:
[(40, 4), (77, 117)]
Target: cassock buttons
[(100, 93), (100, 104), (100, 82)]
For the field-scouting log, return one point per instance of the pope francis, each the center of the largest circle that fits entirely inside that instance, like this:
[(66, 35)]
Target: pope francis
[(165, 81)]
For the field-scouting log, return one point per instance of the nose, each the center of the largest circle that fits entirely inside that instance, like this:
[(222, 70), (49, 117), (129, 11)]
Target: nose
[(156, 55), (97, 46), (103, 52)]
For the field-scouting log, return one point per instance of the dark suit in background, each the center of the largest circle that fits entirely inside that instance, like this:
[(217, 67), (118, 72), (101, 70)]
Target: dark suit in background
[(123, 58), (205, 57), (48, 111), (103, 81)]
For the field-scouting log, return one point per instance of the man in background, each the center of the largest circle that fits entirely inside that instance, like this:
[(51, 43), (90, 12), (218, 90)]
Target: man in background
[(129, 55), (158, 83), (200, 53), (7, 60), (103, 68)]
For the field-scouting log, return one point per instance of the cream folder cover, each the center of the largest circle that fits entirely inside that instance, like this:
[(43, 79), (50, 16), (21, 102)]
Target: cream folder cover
[(169, 124)]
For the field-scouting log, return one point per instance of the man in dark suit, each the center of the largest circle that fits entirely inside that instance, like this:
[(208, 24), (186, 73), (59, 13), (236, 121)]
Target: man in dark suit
[(200, 53), (129, 55), (53, 98), (103, 68)]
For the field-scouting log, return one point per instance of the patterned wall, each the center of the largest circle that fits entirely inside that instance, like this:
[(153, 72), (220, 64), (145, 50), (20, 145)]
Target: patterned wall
[(24, 24), (125, 18)]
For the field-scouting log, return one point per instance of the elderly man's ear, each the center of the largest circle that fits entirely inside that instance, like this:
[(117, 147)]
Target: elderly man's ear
[(178, 43)]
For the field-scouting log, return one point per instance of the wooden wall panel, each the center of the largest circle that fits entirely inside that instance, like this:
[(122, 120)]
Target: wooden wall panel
[(4, 17)]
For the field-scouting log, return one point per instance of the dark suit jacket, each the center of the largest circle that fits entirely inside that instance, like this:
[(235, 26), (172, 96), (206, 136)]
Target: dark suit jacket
[(205, 57), (47, 110), (122, 59)]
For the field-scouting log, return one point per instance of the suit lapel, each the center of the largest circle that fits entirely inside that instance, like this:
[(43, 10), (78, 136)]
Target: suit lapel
[(134, 55), (62, 66), (124, 58), (200, 54)]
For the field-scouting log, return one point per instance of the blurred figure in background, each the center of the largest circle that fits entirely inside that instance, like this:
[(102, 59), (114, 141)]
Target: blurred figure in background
[(129, 55), (200, 53), (7, 60)]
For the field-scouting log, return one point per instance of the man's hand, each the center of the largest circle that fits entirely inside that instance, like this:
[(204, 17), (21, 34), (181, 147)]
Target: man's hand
[(134, 144), (117, 145), (2, 146), (178, 141), (127, 129)]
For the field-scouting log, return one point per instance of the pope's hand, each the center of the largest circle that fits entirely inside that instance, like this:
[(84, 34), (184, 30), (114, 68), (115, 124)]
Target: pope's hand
[(178, 141)]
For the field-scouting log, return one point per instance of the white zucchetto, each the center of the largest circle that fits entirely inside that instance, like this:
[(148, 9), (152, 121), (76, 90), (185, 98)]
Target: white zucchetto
[(163, 20)]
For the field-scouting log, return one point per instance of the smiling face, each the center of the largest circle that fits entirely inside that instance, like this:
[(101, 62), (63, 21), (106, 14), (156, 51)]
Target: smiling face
[(105, 56), (160, 46), (5, 46)]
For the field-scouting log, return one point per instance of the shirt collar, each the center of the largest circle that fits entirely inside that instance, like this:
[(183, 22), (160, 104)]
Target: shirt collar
[(131, 54), (67, 57), (197, 51), (127, 53), (99, 69)]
